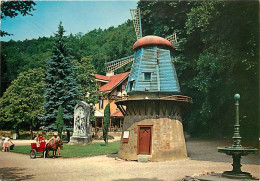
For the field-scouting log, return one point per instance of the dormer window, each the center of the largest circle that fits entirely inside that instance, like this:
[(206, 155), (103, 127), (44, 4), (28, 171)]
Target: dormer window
[(147, 76), (131, 84), (118, 89)]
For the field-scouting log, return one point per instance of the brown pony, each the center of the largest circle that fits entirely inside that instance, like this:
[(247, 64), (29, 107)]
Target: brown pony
[(54, 147)]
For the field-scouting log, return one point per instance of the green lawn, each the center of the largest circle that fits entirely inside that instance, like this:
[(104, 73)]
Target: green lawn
[(78, 150)]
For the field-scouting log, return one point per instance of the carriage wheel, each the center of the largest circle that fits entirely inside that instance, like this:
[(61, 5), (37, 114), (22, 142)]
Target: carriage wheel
[(33, 154)]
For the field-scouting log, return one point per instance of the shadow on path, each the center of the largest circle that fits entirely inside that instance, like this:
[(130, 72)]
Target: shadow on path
[(14, 173)]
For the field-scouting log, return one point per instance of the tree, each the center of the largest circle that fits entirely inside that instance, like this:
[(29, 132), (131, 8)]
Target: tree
[(59, 121), (98, 45), (13, 8), (85, 71), (87, 82), (23, 55), (106, 123), (22, 103), (226, 64), (60, 85)]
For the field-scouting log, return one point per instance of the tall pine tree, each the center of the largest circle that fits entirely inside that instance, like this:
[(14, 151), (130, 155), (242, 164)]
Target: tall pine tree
[(59, 121), (60, 85)]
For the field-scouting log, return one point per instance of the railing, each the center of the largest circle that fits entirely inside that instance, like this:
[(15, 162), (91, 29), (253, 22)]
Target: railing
[(178, 98), (172, 97), (118, 98)]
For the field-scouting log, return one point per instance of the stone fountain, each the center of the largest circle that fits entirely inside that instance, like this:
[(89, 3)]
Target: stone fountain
[(236, 150)]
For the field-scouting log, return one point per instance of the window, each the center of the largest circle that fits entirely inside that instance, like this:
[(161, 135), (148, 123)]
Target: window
[(147, 76), (118, 89), (131, 85), (101, 104), (123, 87)]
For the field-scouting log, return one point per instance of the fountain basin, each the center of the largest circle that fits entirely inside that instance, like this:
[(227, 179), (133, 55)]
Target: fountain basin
[(236, 153), (242, 151)]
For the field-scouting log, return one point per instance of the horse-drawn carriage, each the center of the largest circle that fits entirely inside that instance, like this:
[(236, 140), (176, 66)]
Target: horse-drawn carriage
[(35, 149), (45, 148)]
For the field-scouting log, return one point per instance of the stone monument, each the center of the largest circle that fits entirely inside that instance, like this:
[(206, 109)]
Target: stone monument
[(81, 129)]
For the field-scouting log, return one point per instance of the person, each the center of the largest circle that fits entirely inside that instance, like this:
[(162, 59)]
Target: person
[(54, 139), (6, 143), (2, 142), (36, 139)]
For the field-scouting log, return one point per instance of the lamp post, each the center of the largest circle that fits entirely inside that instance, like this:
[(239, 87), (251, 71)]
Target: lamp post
[(236, 150), (237, 137)]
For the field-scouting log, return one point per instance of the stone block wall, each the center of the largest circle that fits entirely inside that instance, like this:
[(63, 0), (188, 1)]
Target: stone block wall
[(167, 143)]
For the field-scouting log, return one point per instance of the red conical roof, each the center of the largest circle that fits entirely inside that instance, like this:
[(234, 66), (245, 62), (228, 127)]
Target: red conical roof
[(152, 40)]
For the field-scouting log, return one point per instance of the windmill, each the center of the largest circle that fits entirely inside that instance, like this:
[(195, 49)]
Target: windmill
[(112, 66)]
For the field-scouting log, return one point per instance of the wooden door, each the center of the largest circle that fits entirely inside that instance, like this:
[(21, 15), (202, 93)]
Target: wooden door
[(144, 140)]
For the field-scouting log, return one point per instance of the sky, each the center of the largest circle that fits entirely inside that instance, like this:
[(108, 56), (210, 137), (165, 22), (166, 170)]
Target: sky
[(76, 16)]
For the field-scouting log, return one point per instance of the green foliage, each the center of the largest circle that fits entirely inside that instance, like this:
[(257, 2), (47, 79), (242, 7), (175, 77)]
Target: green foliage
[(14, 8), (106, 122), (88, 85), (59, 121), (60, 85), (105, 45), (84, 77), (23, 55), (98, 45), (22, 103)]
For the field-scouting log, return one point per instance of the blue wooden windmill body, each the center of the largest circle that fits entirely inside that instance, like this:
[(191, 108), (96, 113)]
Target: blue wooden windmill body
[(153, 71)]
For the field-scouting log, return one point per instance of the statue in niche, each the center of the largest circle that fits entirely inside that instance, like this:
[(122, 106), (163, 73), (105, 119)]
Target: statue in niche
[(81, 131)]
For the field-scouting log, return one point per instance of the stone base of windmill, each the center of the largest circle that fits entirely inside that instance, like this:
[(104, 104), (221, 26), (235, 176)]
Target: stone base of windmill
[(167, 139), (74, 140)]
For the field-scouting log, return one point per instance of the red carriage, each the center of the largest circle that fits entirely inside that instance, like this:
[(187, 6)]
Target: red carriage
[(36, 149), (45, 148)]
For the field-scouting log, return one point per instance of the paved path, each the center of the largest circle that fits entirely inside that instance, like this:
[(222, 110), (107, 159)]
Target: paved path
[(203, 158)]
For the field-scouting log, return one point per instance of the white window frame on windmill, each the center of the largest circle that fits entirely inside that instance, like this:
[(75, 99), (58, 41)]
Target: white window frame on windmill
[(144, 77)]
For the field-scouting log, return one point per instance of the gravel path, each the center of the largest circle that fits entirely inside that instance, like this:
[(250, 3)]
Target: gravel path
[(203, 158)]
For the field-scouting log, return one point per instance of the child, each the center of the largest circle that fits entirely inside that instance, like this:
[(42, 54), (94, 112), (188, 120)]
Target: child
[(2, 142), (36, 139), (6, 143)]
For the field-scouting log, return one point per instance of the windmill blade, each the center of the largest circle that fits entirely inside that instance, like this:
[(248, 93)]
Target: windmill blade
[(136, 17), (116, 64), (172, 38)]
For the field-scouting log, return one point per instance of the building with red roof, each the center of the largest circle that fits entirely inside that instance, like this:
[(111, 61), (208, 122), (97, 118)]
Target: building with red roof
[(113, 87)]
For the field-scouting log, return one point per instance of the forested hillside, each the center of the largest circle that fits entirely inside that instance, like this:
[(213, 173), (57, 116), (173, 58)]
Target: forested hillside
[(101, 45), (216, 57)]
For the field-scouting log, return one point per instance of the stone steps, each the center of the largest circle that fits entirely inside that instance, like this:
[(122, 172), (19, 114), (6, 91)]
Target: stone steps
[(143, 158)]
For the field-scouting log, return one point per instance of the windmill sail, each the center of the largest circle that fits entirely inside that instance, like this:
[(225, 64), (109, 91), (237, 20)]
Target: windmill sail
[(136, 17), (172, 38), (116, 64)]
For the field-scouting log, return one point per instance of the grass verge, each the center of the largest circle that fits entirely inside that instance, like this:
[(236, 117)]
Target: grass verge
[(93, 149)]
